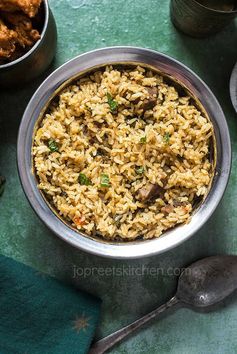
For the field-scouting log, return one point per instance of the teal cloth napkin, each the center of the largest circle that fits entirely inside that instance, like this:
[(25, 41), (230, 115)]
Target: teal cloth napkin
[(39, 315)]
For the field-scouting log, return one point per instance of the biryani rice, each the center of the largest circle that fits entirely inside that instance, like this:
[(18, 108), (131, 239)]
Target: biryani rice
[(166, 145)]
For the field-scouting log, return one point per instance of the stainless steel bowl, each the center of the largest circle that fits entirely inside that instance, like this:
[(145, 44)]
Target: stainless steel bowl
[(167, 66), (233, 87), (37, 59)]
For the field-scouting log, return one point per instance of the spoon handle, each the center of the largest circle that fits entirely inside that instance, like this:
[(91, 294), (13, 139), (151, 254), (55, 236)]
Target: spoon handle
[(110, 341)]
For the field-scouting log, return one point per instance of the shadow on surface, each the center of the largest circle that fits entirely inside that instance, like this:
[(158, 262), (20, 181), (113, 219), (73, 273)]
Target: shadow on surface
[(13, 103)]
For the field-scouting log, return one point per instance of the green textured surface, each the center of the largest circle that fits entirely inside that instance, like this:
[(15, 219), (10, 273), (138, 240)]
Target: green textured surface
[(86, 25)]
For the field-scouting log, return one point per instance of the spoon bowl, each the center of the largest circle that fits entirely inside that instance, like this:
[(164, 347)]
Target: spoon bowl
[(201, 285), (208, 281)]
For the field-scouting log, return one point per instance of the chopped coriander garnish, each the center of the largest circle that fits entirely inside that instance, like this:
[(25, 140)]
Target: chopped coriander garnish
[(143, 140), (117, 219), (89, 109), (64, 194), (100, 152), (104, 180), (140, 170), (167, 138), (53, 146), (83, 180), (113, 105), (2, 184)]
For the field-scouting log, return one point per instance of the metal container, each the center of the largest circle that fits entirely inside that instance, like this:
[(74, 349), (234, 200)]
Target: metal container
[(233, 87), (132, 56), (197, 20), (37, 59)]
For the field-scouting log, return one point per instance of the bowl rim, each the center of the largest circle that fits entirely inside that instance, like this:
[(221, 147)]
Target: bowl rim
[(36, 45), (214, 10), (233, 87), (112, 55)]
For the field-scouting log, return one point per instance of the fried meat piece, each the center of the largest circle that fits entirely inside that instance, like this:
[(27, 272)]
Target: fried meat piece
[(22, 25), (150, 192), (151, 101), (7, 41), (29, 7)]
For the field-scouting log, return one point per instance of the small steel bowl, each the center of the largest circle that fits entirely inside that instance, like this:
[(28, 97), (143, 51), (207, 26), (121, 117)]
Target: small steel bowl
[(37, 59), (125, 56), (233, 87), (198, 20)]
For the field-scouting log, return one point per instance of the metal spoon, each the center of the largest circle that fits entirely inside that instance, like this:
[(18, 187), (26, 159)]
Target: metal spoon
[(201, 285)]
